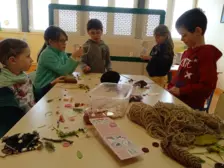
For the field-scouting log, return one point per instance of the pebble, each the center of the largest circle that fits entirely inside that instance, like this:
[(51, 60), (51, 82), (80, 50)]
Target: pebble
[(145, 150), (155, 144), (66, 144)]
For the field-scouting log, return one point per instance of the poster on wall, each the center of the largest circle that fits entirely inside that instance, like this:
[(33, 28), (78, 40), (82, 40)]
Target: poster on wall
[(222, 16)]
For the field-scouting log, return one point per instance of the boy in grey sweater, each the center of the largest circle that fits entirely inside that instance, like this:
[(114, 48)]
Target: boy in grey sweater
[(96, 58)]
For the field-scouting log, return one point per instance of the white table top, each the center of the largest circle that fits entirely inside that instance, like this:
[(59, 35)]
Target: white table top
[(95, 154)]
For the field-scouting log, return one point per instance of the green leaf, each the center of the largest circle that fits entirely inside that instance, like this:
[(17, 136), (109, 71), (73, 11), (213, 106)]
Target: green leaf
[(205, 140), (213, 149), (79, 155), (220, 147), (201, 160)]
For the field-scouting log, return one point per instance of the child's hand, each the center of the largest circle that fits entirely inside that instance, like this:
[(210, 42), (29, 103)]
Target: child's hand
[(77, 53), (60, 79), (86, 69), (175, 91)]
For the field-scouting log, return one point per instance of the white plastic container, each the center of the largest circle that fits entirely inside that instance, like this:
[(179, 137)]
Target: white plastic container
[(111, 97)]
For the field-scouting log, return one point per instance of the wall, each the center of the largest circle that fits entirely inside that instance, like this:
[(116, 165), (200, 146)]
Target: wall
[(214, 34), (119, 46), (35, 40)]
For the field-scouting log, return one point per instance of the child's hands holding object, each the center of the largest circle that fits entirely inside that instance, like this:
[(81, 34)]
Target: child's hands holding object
[(70, 79), (60, 79), (78, 52), (64, 79), (175, 91)]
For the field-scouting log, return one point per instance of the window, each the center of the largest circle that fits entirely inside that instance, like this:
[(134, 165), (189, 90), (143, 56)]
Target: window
[(180, 7), (98, 3), (68, 18), (124, 3), (154, 20), (9, 14), (123, 21), (40, 14), (158, 4), (102, 16), (68, 2)]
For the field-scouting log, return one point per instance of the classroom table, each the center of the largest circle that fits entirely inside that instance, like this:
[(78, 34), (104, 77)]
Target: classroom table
[(95, 153)]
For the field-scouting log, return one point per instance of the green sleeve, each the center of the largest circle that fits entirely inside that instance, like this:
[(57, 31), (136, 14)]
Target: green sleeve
[(9, 116), (51, 62), (7, 98)]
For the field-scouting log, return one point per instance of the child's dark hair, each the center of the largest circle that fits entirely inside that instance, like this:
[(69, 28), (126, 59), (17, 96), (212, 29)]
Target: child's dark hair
[(111, 77), (94, 24), (51, 33), (192, 19), (11, 47), (162, 30)]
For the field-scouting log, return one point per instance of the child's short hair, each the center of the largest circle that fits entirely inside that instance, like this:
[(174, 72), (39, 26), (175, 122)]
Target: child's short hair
[(94, 24), (11, 47), (192, 19)]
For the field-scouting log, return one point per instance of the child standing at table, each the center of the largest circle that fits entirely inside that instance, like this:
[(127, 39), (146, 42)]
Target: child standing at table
[(16, 89), (96, 56), (53, 62), (197, 74), (161, 56)]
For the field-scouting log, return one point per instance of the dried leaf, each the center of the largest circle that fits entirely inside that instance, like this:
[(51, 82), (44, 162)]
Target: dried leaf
[(221, 148), (50, 100), (49, 146), (202, 161), (205, 140), (213, 149), (79, 155)]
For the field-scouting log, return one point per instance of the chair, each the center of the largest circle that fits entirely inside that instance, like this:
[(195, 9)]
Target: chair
[(32, 76), (219, 110), (208, 102)]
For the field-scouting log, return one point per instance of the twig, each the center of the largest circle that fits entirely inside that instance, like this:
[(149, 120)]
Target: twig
[(58, 140), (49, 113), (42, 126), (50, 100)]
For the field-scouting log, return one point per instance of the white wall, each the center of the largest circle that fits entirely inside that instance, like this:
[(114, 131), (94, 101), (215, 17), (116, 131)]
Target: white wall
[(214, 34)]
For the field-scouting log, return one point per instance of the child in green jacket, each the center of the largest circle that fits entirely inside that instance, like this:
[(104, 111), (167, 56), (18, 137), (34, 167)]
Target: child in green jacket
[(53, 62)]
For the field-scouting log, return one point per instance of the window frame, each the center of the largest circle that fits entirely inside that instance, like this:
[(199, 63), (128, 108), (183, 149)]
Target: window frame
[(30, 6), (194, 5), (31, 29), (169, 14), (19, 19), (111, 3), (108, 4), (110, 16), (87, 3), (133, 23)]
